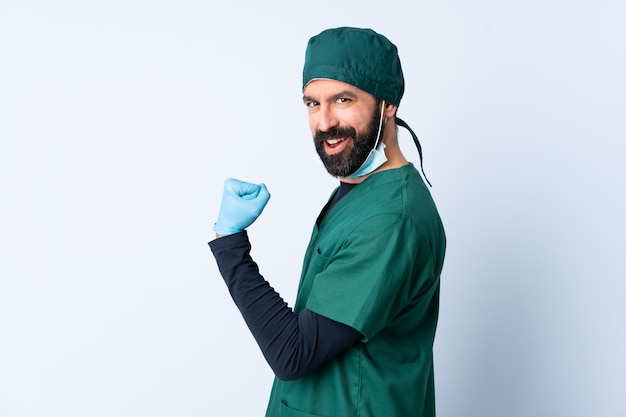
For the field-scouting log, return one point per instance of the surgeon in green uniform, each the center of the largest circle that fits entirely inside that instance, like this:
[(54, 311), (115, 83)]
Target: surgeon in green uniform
[(359, 340)]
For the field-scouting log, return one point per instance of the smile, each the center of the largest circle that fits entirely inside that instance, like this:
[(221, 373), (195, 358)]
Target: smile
[(336, 145), (333, 142)]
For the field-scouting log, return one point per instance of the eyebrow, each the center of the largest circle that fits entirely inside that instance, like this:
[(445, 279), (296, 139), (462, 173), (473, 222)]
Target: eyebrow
[(340, 94)]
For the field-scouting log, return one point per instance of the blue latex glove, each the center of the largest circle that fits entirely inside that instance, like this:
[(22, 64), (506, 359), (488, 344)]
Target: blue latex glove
[(242, 203)]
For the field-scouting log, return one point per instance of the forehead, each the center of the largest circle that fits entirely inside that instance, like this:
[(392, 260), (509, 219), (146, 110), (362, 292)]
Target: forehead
[(323, 87)]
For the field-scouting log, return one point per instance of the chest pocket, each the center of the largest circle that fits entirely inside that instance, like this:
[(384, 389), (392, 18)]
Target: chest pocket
[(318, 261)]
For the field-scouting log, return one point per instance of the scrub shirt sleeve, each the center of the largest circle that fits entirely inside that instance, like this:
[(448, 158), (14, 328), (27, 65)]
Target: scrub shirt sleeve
[(293, 344), (382, 266)]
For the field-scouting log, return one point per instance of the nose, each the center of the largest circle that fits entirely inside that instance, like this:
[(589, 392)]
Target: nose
[(327, 119)]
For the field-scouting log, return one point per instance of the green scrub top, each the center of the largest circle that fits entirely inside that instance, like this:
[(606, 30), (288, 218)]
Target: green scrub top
[(373, 263)]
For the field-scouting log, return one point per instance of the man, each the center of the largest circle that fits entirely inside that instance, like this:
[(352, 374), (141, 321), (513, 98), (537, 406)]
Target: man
[(359, 339)]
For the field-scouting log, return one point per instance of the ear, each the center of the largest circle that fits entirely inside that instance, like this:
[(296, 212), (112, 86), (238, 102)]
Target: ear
[(390, 110)]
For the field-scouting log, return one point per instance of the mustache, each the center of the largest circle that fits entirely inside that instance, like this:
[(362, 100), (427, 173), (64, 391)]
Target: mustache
[(335, 133)]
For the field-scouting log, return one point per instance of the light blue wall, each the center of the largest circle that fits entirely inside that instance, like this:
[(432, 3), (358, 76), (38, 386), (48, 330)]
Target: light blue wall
[(120, 120)]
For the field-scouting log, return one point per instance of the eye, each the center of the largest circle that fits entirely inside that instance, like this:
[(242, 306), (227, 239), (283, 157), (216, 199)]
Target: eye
[(311, 103), (343, 100)]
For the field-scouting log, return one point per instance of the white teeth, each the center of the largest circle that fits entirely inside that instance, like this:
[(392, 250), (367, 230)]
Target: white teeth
[(334, 141)]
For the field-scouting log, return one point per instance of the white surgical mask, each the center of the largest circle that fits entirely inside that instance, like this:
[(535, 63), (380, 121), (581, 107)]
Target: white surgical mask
[(374, 160)]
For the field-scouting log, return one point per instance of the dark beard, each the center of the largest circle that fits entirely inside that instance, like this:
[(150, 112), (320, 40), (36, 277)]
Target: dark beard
[(350, 159)]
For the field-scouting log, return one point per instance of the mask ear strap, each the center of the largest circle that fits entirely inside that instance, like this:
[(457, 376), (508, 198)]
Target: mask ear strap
[(402, 123), (380, 125)]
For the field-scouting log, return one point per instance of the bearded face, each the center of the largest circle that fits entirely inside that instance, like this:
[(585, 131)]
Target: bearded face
[(351, 158)]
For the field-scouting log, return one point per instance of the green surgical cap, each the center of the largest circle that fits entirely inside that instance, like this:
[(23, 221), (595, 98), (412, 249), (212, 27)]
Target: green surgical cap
[(359, 57)]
